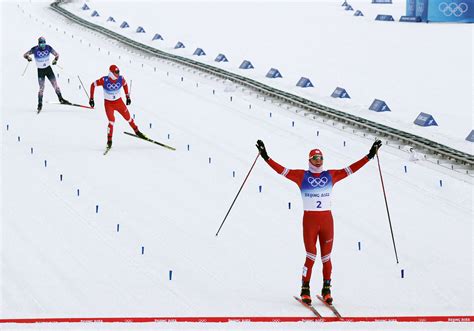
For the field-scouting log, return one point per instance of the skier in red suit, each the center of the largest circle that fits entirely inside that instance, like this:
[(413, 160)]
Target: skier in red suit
[(112, 83), (316, 186)]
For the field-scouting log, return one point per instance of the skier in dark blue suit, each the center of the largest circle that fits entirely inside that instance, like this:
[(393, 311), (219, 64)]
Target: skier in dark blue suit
[(41, 54)]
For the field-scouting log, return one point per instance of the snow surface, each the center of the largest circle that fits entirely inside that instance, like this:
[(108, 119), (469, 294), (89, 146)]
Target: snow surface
[(412, 67), (62, 259)]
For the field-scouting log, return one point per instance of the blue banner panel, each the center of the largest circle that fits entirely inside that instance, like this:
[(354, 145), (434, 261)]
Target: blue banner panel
[(411, 8), (273, 73), (246, 65), (304, 82), (451, 11), (340, 92), (382, 17), (179, 44), (425, 119), (379, 106), (470, 137), (199, 52), (421, 9), (221, 58)]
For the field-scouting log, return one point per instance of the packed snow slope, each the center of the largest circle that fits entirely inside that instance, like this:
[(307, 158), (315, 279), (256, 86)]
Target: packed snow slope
[(412, 67), (62, 257)]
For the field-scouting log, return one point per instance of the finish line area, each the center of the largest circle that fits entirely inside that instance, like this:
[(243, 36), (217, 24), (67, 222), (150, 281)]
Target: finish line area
[(239, 319)]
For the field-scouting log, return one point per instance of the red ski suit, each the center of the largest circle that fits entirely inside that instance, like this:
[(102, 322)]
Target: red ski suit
[(317, 218), (113, 101)]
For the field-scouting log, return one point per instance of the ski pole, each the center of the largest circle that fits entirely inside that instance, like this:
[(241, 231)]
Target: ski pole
[(83, 87), (386, 206), (26, 67), (237, 194), (57, 65)]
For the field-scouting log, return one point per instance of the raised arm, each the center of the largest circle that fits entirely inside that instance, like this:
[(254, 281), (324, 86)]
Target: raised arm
[(295, 176), (340, 174), (337, 175)]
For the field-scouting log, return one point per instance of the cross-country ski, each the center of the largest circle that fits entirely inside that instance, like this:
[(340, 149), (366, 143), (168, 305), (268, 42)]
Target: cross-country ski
[(310, 307), (150, 140)]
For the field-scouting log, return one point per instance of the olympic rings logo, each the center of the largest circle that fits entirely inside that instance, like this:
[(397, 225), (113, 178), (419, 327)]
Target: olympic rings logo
[(315, 182), (114, 86), (453, 8), (42, 53)]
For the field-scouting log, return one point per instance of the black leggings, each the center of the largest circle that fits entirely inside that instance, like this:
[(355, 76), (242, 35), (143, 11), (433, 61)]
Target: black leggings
[(47, 72)]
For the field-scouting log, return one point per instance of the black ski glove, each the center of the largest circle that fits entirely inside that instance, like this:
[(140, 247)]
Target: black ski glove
[(373, 150), (261, 148), (28, 58), (91, 102), (55, 61), (129, 101)]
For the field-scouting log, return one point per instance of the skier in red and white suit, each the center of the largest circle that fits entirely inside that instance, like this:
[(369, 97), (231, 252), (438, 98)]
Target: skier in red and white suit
[(316, 186), (113, 100)]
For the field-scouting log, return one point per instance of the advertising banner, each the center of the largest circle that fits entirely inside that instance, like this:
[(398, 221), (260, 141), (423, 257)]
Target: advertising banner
[(451, 11)]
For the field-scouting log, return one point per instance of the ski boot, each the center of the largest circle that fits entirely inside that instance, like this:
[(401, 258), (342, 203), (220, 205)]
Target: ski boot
[(62, 100), (326, 291), (140, 135), (305, 294), (109, 146), (40, 106)]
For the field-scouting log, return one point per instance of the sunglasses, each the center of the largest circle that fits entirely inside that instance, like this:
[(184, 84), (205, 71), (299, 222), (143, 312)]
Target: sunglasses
[(317, 158), (117, 72)]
